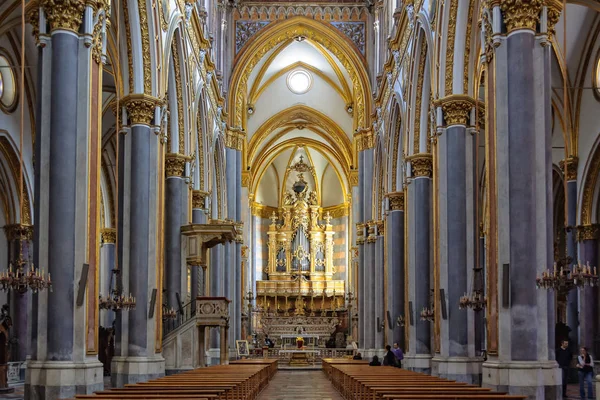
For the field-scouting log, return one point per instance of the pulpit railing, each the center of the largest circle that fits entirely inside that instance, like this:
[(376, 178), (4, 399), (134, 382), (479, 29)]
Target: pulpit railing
[(187, 312)]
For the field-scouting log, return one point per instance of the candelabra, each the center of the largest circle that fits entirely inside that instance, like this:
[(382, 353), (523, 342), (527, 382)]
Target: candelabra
[(427, 314), (563, 279), (168, 313), (22, 278), (475, 300), (114, 300)]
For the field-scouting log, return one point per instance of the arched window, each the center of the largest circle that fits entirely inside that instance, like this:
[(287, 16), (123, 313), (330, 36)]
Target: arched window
[(8, 85)]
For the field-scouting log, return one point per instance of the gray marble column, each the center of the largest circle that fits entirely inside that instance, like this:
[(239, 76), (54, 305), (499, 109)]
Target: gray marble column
[(456, 236), (590, 310), (135, 358), (419, 219), (198, 217), (395, 278), (369, 317), (59, 367), (175, 216), (107, 260), (520, 138), (379, 289), (360, 242)]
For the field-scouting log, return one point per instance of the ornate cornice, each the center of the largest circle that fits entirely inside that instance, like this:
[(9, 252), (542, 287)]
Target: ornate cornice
[(199, 198), (338, 211), (421, 165), (360, 233), (64, 14), (456, 109), (571, 170), (365, 140), (262, 211), (396, 201), (235, 138), (108, 235), (140, 108), (18, 231), (588, 232), (175, 164), (521, 14)]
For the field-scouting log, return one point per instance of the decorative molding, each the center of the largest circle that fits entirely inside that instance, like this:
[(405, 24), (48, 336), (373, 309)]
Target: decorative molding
[(244, 30), (365, 139), (421, 165), (468, 47), (420, 78), (235, 138), (588, 232), (140, 108), (108, 235), (262, 211), (341, 210), (554, 8), (147, 63), (179, 92), (18, 231), (589, 187), (396, 201), (199, 199), (571, 168), (64, 14), (272, 12), (521, 14), (175, 165), (353, 178), (355, 31), (246, 179), (450, 46), (360, 233), (456, 109), (371, 231)]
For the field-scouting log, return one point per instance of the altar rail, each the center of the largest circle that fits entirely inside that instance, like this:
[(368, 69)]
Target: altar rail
[(323, 353)]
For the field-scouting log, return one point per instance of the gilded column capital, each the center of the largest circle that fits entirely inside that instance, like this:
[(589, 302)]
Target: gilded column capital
[(554, 8), (175, 164), (571, 167), (108, 235), (371, 234), (396, 201), (239, 230), (199, 198), (360, 233), (18, 231), (353, 177), (521, 14), (380, 227), (456, 109), (140, 108), (234, 138), (365, 139), (421, 164), (64, 14), (588, 232)]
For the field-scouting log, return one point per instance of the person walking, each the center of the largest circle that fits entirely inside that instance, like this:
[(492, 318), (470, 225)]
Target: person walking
[(563, 358), (585, 363)]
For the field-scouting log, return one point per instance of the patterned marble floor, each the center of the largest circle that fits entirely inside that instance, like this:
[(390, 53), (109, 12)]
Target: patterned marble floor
[(299, 385)]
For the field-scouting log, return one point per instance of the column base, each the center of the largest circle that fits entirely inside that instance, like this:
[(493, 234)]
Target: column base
[(49, 380), (417, 363), (460, 369), (541, 380), (126, 370)]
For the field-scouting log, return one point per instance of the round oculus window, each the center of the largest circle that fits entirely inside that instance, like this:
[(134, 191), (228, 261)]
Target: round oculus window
[(299, 81)]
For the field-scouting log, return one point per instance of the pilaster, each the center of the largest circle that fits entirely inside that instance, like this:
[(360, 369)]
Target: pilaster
[(396, 288)]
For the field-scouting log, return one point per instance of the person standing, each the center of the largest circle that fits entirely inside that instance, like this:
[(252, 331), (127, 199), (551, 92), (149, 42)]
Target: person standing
[(585, 363), (390, 357), (563, 358), (399, 355)]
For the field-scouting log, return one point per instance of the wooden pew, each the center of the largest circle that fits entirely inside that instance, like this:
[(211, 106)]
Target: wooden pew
[(357, 381), (239, 381)]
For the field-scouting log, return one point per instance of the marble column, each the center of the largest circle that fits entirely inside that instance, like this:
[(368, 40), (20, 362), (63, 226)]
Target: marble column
[(573, 320), (456, 236), (589, 307), (367, 254), (175, 216), (418, 356), (521, 319), (107, 260), (138, 232), (59, 366), (396, 287)]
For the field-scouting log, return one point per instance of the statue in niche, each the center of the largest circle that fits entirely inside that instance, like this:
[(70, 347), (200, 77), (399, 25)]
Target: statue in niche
[(312, 198), (5, 324)]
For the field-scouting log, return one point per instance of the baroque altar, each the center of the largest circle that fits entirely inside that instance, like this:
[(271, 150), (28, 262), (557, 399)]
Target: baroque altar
[(300, 294)]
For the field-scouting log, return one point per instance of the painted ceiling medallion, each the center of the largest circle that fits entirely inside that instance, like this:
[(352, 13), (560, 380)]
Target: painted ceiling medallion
[(299, 81)]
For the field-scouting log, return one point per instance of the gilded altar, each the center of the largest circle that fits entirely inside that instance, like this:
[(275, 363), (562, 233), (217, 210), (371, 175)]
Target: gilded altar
[(300, 266)]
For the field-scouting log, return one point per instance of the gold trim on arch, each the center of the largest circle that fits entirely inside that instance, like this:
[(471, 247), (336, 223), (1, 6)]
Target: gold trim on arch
[(334, 66), (591, 177), (253, 96), (327, 152), (315, 31), (265, 67), (336, 134)]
